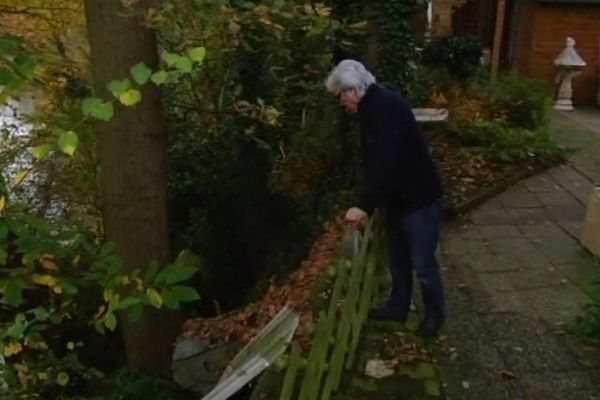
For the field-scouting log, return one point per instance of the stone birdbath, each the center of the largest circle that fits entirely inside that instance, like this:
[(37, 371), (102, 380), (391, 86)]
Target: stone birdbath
[(569, 65)]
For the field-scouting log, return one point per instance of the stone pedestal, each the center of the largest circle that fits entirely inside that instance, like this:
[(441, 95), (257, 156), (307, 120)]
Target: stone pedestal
[(565, 89), (569, 65)]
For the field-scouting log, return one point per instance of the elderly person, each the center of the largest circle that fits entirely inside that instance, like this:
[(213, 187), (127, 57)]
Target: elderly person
[(401, 179)]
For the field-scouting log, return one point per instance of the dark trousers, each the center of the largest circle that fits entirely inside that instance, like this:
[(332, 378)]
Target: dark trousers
[(412, 240)]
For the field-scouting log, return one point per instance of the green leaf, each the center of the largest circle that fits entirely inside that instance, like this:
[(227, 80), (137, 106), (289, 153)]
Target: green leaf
[(56, 318), (10, 79), (159, 77), (110, 321), (151, 271), (187, 258), (170, 58), (89, 104), (118, 87), (140, 73), (13, 292), (41, 151), (185, 293), (40, 313), (18, 328), (175, 273), (184, 64), (3, 256), (25, 65), (196, 54), (9, 45), (96, 108), (127, 303), (62, 379), (113, 264), (135, 313), (68, 288), (130, 97), (68, 142), (170, 300), (3, 230), (154, 298), (432, 388)]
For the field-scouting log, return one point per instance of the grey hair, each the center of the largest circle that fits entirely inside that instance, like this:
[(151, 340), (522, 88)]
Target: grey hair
[(349, 74)]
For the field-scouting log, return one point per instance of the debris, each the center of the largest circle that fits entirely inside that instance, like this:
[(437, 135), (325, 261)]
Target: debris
[(507, 374), (378, 369), (465, 385), (243, 324)]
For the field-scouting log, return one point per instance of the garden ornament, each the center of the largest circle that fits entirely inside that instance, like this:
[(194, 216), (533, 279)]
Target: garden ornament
[(569, 65)]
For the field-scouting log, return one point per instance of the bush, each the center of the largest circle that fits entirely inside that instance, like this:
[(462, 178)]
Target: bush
[(60, 293), (505, 143), (588, 324), (525, 102), (459, 55)]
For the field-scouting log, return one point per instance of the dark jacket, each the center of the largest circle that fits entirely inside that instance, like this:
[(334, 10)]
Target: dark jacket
[(399, 169)]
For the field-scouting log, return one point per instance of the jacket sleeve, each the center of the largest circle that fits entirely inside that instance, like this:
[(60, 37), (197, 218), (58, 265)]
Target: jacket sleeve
[(385, 136)]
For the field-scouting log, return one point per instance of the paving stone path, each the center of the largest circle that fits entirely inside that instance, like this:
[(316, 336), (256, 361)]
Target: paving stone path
[(517, 277)]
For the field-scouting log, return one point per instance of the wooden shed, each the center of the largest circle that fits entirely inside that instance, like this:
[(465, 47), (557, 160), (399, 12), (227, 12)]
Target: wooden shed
[(534, 33)]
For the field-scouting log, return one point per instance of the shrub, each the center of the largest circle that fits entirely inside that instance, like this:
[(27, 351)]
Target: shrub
[(526, 103), (505, 143), (459, 55), (60, 293), (588, 324)]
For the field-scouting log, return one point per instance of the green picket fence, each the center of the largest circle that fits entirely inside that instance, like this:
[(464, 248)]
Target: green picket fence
[(317, 376)]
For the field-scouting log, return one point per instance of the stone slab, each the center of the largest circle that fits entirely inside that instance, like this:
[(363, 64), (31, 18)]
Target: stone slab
[(527, 344), (528, 216), (558, 198), (564, 385), (556, 304), (519, 197)]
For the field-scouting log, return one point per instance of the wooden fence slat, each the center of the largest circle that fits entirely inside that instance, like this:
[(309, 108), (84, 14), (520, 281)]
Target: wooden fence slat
[(287, 390), (356, 288)]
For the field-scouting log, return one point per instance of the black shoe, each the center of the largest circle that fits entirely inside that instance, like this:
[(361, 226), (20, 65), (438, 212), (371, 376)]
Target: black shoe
[(429, 327), (386, 313)]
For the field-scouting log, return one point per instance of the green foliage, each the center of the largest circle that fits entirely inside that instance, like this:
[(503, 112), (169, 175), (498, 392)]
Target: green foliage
[(589, 323), (56, 278), (253, 136), (67, 142), (526, 102), (395, 21), (17, 65), (458, 55), (507, 144), (97, 108)]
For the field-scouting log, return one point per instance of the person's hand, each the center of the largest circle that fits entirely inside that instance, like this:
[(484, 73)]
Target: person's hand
[(355, 216)]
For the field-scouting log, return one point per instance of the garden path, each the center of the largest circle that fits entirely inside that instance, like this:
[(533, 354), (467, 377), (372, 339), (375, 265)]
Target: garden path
[(517, 277)]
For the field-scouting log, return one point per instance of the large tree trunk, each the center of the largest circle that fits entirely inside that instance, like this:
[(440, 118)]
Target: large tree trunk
[(133, 168)]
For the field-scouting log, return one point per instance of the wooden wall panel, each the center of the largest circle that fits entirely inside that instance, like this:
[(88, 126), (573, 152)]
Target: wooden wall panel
[(551, 25)]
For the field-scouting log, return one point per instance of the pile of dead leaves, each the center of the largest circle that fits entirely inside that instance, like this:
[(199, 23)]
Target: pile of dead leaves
[(241, 325), (467, 174), (403, 349)]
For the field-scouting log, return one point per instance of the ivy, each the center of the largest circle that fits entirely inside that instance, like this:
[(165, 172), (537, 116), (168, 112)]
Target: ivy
[(395, 19)]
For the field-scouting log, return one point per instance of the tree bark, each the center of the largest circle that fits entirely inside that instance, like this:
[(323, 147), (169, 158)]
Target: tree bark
[(372, 56), (133, 161)]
